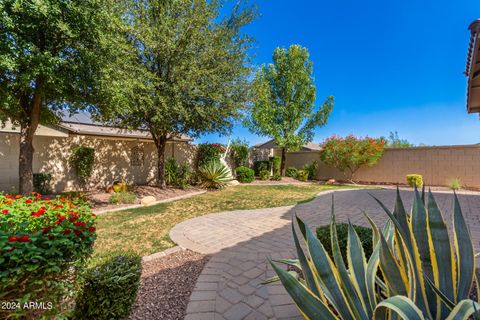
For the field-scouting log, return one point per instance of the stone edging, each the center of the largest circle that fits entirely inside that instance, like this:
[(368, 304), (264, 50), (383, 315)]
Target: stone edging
[(162, 254), (134, 206)]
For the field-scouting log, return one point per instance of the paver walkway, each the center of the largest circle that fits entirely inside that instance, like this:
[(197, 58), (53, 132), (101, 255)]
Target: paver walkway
[(241, 241)]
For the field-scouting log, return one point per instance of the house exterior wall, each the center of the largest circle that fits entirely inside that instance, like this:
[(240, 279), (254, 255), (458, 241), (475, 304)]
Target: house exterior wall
[(437, 165), (112, 160)]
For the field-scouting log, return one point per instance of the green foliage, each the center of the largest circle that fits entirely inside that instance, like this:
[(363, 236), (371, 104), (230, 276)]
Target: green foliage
[(276, 177), (455, 184), (394, 141), (209, 152), (365, 235), (41, 182), (415, 180), (110, 288), (82, 161), (261, 165), (245, 175), (291, 172), (119, 186), (302, 175), (177, 175), (284, 100), (43, 244), (424, 275), (214, 175), (239, 152), (276, 162), (122, 197), (194, 66), (311, 168), (351, 153), (264, 174)]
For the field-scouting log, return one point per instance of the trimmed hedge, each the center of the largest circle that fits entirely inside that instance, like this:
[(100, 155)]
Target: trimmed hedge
[(110, 288), (365, 235), (264, 174), (415, 180), (302, 175), (245, 175), (276, 165), (261, 165), (291, 172)]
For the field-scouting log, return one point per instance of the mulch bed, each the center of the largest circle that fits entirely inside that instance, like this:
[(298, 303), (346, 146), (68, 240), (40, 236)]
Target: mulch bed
[(166, 285)]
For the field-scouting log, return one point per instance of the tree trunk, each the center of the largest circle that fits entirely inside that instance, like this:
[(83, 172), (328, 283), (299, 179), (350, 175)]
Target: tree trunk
[(284, 159), (27, 132), (161, 144)]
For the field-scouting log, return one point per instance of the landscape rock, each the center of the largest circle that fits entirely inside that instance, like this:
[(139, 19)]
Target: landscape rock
[(148, 200), (331, 181), (233, 183)]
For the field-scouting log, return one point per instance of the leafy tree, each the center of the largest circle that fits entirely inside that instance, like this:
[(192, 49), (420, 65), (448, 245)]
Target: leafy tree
[(57, 56), (284, 101), (394, 141), (351, 153), (194, 65)]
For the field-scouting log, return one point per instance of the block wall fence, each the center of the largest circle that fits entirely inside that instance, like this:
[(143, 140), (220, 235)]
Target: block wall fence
[(437, 165)]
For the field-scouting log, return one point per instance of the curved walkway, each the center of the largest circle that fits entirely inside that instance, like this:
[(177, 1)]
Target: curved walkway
[(241, 241)]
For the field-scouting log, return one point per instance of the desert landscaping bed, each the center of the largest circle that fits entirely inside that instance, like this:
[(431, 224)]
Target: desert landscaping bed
[(166, 285)]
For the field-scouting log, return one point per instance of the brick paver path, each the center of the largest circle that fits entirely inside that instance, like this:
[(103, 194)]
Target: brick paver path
[(241, 241)]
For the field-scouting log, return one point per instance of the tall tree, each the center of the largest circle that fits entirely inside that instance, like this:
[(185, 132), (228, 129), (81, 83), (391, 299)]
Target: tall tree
[(394, 141), (284, 101), (195, 68), (57, 56)]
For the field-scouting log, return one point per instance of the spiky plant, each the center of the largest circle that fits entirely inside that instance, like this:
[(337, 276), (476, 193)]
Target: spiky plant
[(414, 271), (214, 175)]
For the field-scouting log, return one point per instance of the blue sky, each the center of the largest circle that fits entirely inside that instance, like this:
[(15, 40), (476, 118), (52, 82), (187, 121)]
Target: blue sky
[(391, 65)]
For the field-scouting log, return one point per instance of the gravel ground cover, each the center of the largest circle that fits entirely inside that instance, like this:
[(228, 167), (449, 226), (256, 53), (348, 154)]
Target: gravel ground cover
[(166, 286)]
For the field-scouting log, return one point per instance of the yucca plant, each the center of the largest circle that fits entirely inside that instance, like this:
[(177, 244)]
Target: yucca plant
[(215, 175), (413, 273)]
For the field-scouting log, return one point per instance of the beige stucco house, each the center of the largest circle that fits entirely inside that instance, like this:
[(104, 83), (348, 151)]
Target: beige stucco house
[(119, 154), (472, 70), (264, 150)]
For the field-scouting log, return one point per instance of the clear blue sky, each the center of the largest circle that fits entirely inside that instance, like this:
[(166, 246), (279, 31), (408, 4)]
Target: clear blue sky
[(391, 65)]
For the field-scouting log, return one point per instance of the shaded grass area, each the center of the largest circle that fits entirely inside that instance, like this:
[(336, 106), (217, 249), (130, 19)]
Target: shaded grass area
[(145, 230)]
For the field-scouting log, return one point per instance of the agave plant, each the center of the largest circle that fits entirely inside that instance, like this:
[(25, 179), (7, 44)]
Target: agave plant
[(215, 175), (414, 271)]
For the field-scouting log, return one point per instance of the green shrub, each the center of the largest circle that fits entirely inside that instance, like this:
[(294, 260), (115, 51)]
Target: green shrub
[(123, 197), (43, 245), (177, 175), (365, 234), (291, 172), (261, 165), (245, 175), (276, 177), (415, 180), (214, 175), (208, 152), (239, 152), (264, 174), (276, 163), (41, 182), (82, 160), (302, 175), (455, 184), (311, 168), (110, 288)]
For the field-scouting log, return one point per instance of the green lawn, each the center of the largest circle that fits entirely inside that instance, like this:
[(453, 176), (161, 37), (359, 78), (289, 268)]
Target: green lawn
[(145, 230)]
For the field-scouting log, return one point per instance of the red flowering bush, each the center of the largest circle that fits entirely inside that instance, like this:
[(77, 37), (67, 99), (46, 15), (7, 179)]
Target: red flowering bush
[(350, 153), (43, 245)]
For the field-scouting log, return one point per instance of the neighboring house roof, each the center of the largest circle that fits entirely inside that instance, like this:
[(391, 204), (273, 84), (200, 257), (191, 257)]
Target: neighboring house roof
[(270, 144), (472, 70), (83, 124)]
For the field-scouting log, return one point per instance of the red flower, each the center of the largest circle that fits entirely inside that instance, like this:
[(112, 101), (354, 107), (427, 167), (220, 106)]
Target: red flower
[(80, 224), (91, 229), (94, 215), (28, 201), (46, 229), (78, 232), (12, 239), (24, 239), (18, 196), (51, 237), (5, 211), (67, 231), (46, 198), (8, 196), (74, 218)]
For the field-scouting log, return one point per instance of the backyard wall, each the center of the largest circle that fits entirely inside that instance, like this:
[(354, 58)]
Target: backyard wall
[(436, 164), (113, 160)]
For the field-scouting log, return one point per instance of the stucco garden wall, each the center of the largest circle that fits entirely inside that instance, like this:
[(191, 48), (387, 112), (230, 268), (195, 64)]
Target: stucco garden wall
[(436, 164), (112, 160)]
